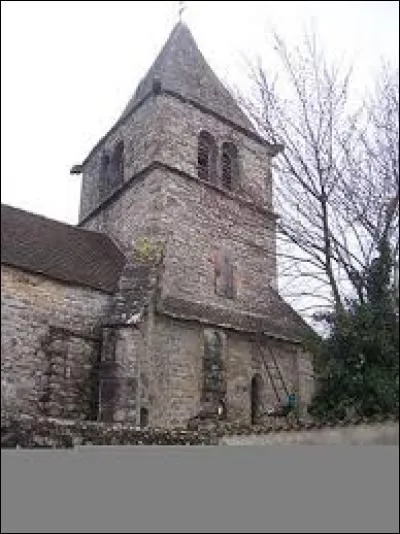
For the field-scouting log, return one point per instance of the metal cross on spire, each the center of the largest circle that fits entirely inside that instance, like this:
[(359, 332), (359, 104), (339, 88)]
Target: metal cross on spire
[(182, 8)]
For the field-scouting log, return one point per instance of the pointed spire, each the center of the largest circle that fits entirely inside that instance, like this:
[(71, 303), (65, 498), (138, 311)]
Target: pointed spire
[(181, 68)]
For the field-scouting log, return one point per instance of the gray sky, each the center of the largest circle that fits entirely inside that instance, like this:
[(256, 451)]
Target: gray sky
[(69, 68)]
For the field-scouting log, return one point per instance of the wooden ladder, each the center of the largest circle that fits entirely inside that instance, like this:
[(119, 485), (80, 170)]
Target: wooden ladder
[(274, 374)]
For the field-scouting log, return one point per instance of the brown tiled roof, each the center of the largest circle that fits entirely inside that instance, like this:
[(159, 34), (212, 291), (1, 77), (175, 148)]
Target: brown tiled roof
[(61, 251)]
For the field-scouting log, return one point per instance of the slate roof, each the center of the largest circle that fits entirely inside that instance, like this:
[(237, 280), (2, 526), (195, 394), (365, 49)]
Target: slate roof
[(181, 68), (281, 322), (61, 251)]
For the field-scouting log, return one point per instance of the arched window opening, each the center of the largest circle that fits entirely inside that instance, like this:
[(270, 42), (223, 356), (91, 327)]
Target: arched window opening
[(230, 168), (206, 156), (111, 170), (256, 398), (117, 165), (104, 173), (214, 387)]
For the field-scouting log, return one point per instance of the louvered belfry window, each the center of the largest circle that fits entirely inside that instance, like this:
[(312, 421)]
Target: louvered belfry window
[(230, 168), (111, 170), (206, 157), (117, 165)]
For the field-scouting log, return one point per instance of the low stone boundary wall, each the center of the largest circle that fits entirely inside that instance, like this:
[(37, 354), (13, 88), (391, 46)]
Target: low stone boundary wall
[(29, 432), (364, 434), (38, 432)]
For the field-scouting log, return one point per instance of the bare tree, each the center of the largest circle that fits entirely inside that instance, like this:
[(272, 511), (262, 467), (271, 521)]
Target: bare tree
[(336, 181), (371, 190)]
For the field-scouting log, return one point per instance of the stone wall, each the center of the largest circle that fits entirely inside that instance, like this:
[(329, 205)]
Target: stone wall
[(204, 225), (218, 249), (195, 224), (141, 136), (181, 125), (34, 432), (176, 349), (52, 342), (185, 211), (49, 343), (125, 358), (166, 129), (177, 372), (38, 432), (363, 434), (134, 217), (121, 376)]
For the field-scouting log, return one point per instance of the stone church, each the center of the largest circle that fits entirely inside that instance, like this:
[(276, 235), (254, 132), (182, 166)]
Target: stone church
[(161, 305)]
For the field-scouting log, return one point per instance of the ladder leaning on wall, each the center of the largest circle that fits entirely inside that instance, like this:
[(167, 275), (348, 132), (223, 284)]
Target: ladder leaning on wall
[(286, 400)]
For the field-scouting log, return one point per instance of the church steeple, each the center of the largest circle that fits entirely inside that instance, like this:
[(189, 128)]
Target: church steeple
[(182, 69), (182, 117)]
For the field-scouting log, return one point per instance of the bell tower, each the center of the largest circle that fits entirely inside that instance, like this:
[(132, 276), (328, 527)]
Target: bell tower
[(184, 170)]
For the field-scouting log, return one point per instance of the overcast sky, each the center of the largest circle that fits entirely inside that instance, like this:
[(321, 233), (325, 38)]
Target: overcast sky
[(69, 68)]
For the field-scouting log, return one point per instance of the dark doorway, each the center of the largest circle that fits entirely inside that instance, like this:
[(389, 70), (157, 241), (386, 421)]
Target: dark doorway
[(144, 417), (256, 397)]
